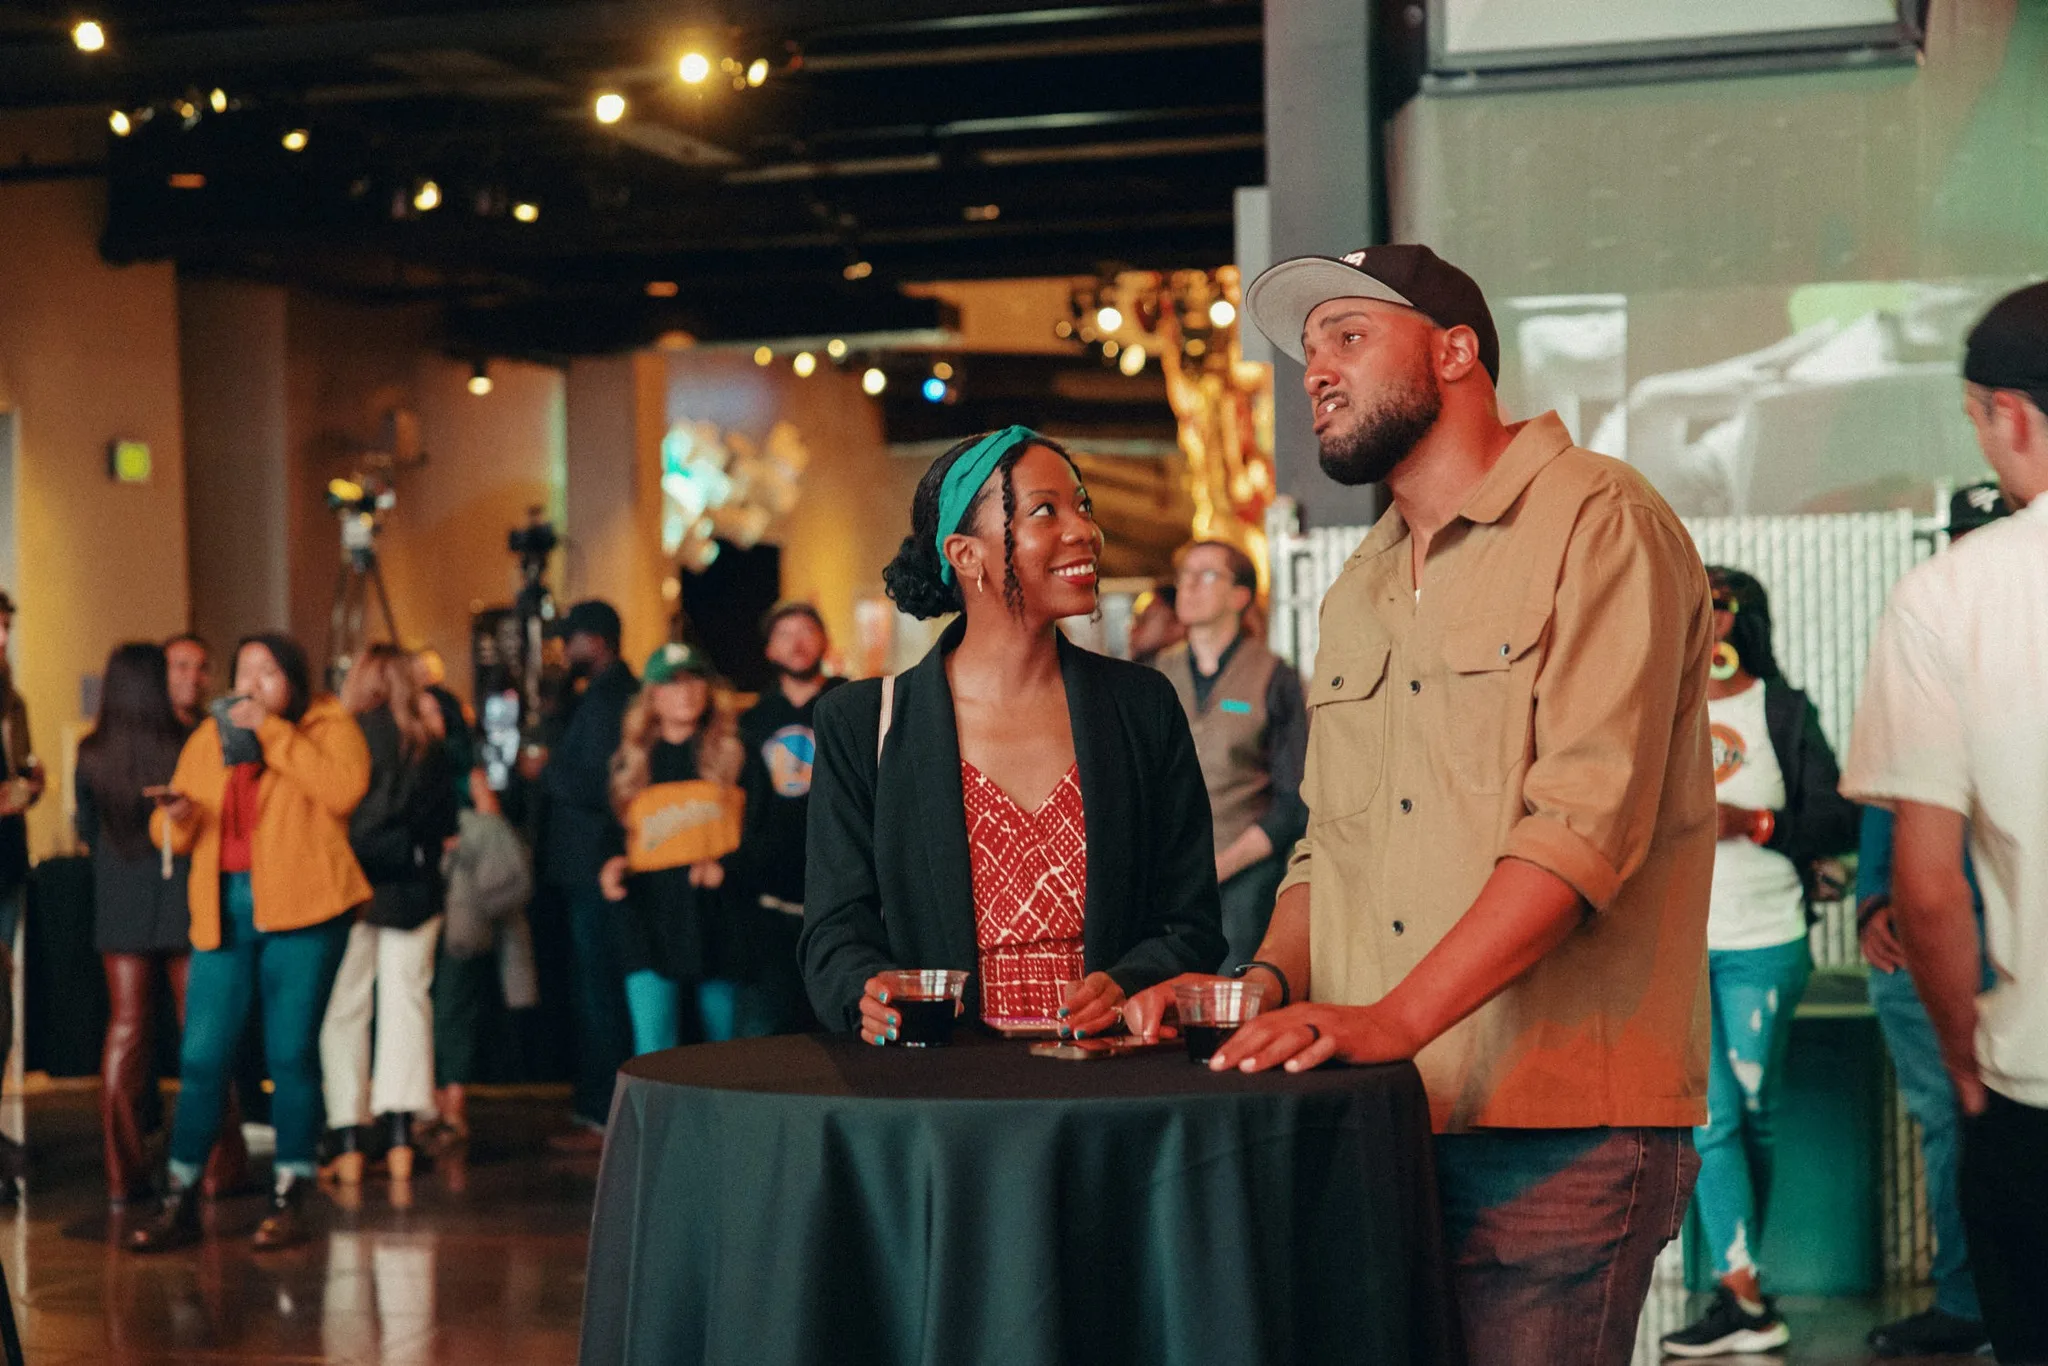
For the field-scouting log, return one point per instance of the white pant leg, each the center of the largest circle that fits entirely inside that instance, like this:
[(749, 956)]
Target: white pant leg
[(345, 1031), (403, 1080)]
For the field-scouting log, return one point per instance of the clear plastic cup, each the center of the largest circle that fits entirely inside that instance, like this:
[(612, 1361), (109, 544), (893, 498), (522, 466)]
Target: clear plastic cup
[(1210, 1012), (926, 1002)]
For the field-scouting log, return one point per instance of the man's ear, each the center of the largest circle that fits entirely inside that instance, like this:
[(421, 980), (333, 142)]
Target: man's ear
[(1457, 352)]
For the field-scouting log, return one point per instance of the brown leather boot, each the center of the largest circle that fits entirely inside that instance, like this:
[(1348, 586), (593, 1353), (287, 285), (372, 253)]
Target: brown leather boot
[(285, 1225), (175, 1224)]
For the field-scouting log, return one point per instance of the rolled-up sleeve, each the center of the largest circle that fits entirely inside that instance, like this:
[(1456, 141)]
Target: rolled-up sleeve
[(1607, 699)]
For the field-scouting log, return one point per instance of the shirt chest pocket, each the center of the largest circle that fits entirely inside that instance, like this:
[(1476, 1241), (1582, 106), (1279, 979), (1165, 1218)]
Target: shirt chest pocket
[(1490, 668), (1348, 719)]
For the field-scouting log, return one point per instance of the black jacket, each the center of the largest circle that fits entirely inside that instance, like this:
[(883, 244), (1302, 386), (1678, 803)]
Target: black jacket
[(887, 877), (581, 833), (1818, 821), (135, 908), (398, 828)]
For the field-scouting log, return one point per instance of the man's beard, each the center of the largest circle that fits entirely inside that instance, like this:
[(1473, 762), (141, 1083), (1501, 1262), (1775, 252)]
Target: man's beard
[(810, 675), (1384, 436)]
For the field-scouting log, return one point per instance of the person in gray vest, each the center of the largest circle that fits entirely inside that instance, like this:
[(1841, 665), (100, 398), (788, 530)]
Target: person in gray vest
[(1245, 707)]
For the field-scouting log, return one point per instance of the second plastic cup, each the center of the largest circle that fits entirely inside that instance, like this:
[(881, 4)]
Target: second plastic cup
[(1211, 1012)]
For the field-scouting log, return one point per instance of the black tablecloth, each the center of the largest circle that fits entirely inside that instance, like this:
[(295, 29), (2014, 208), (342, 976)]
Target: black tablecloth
[(812, 1199)]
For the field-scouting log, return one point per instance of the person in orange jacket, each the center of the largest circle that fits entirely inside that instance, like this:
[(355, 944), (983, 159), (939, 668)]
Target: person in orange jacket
[(260, 800)]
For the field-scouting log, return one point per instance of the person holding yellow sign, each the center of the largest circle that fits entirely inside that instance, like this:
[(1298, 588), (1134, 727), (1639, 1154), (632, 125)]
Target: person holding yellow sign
[(674, 786)]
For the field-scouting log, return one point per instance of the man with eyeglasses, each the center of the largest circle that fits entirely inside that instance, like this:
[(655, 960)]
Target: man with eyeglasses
[(1245, 707)]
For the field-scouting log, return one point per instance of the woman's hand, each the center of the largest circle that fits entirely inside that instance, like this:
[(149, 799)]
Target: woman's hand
[(1150, 1014), (248, 713), (1092, 1006), (709, 874), (877, 1021), (611, 879)]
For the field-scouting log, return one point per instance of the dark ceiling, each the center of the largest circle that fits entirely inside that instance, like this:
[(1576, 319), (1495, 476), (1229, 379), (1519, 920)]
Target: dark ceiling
[(891, 140)]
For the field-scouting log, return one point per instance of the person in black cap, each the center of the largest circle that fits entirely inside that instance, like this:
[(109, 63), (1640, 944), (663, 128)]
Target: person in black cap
[(781, 748), (1513, 895), (1951, 736), (581, 835)]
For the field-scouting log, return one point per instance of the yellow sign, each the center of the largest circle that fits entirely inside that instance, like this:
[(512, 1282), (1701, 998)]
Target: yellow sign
[(672, 825)]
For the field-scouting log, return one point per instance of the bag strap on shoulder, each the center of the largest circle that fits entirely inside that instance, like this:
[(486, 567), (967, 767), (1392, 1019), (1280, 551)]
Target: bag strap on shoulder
[(888, 715)]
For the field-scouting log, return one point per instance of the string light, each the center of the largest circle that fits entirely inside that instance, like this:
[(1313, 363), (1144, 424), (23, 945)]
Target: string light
[(219, 100), (1109, 318), (934, 390), (526, 211), (609, 107), (942, 371), (427, 197), (1221, 314), (480, 379), (859, 270), (663, 289), (763, 356), (1132, 361), (693, 68), (296, 140), (120, 123), (757, 71), (873, 382), (836, 349), (804, 364), (88, 36)]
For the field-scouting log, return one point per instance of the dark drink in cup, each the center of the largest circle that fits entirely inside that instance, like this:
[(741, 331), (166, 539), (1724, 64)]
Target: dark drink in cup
[(1205, 1039), (1210, 1012), (925, 1023), (926, 1002)]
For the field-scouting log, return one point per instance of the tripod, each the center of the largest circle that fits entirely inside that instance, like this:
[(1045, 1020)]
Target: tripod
[(360, 576)]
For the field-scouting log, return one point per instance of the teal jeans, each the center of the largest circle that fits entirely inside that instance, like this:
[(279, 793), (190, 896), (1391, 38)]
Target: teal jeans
[(290, 972), (1754, 994)]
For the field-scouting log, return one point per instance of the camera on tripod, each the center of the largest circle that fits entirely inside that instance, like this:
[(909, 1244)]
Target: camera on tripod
[(360, 503)]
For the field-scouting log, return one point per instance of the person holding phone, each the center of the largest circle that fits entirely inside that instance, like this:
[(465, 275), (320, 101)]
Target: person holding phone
[(261, 802)]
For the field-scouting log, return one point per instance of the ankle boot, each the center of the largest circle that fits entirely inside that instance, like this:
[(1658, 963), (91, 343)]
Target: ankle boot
[(346, 1166), (175, 1224), (13, 1170), (284, 1226), (398, 1156)]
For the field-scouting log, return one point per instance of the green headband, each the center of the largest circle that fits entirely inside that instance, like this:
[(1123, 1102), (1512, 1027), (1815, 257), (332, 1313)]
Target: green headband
[(965, 478)]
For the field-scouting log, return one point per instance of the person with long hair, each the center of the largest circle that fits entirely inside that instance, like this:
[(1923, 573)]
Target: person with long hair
[(1013, 806), (1779, 817), (260, 800), (141, 925), (388, 970), (677, 931)]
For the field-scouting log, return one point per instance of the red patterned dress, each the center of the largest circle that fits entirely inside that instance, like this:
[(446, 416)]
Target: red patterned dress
[(1030, 871)]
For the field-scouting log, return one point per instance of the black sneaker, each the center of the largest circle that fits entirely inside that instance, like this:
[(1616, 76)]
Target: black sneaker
[(1726, 1329), (1931, 1332)]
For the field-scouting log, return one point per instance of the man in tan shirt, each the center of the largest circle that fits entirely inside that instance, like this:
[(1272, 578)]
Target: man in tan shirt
[(1511, 810)]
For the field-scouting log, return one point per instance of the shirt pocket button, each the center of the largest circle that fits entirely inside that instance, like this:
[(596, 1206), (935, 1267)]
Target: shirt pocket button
[(1400, 928)]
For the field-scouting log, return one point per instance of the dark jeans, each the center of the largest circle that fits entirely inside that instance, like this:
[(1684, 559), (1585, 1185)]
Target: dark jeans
[(465, 991), (1553, 1233), (2005, 1207), (291, 972), (604, 1033), (1248, 906)]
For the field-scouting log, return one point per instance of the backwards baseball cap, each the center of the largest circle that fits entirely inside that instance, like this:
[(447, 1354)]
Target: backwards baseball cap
[(1976, 506), (2008, 348), (1404, 273), (592, 615), (673, 661)]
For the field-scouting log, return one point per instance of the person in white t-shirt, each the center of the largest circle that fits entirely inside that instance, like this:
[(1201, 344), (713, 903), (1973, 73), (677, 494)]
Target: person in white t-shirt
[(1952, 736), (1782, 822)]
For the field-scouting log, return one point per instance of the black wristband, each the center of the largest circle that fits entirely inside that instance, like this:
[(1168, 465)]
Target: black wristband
[(1286, 988)]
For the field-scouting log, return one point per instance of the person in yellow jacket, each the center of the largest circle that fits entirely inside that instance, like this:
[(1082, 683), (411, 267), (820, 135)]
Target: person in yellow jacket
[(260, 800)]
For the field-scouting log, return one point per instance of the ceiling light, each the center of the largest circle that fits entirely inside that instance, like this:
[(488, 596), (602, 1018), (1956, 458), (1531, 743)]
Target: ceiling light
[(757, 71), (219, 100), (119, 122), (1132, 360), (836, 349), (763, 356), (187, 111), (934, 390), (1110, 348), (526, 211), (1221, 314), (804, 364), (1109, 318), (693, 68), (296, 140), (480, 379), (88, 36), (873, 382), (610, 107), (942, 371), (427, 197), (187, 180), (663, 289), (982, 213), (859, 270)]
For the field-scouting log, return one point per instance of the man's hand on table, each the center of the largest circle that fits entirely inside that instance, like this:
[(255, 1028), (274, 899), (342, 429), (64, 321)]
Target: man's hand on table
[(1309, 1034)]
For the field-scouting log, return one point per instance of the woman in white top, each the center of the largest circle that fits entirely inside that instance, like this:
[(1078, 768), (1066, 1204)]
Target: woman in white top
[(1780, 816)]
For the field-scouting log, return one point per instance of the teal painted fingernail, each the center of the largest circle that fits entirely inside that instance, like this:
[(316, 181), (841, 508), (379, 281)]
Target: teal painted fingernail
[(885, 996), (879, 1041), (895, 1020), (1080, 1033), (1063, 1012), (892, 1033)]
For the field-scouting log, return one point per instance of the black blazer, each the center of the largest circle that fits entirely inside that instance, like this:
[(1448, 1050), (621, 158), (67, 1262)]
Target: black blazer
[(1818, 821), (886, 874)]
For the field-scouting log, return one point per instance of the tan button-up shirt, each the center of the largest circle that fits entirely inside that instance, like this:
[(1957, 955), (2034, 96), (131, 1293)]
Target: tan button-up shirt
[(1543, 699)]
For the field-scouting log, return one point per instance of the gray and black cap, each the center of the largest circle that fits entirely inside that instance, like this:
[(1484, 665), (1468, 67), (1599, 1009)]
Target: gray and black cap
[(1404, 273)]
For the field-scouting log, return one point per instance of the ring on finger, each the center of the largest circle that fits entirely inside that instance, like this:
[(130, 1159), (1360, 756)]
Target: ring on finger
[(1314, 1034)]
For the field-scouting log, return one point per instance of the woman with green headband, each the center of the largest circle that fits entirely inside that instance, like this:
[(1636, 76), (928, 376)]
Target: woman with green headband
[(1026, 811)]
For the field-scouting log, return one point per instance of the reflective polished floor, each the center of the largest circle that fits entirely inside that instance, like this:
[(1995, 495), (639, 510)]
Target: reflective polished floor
[(476, 1261)]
